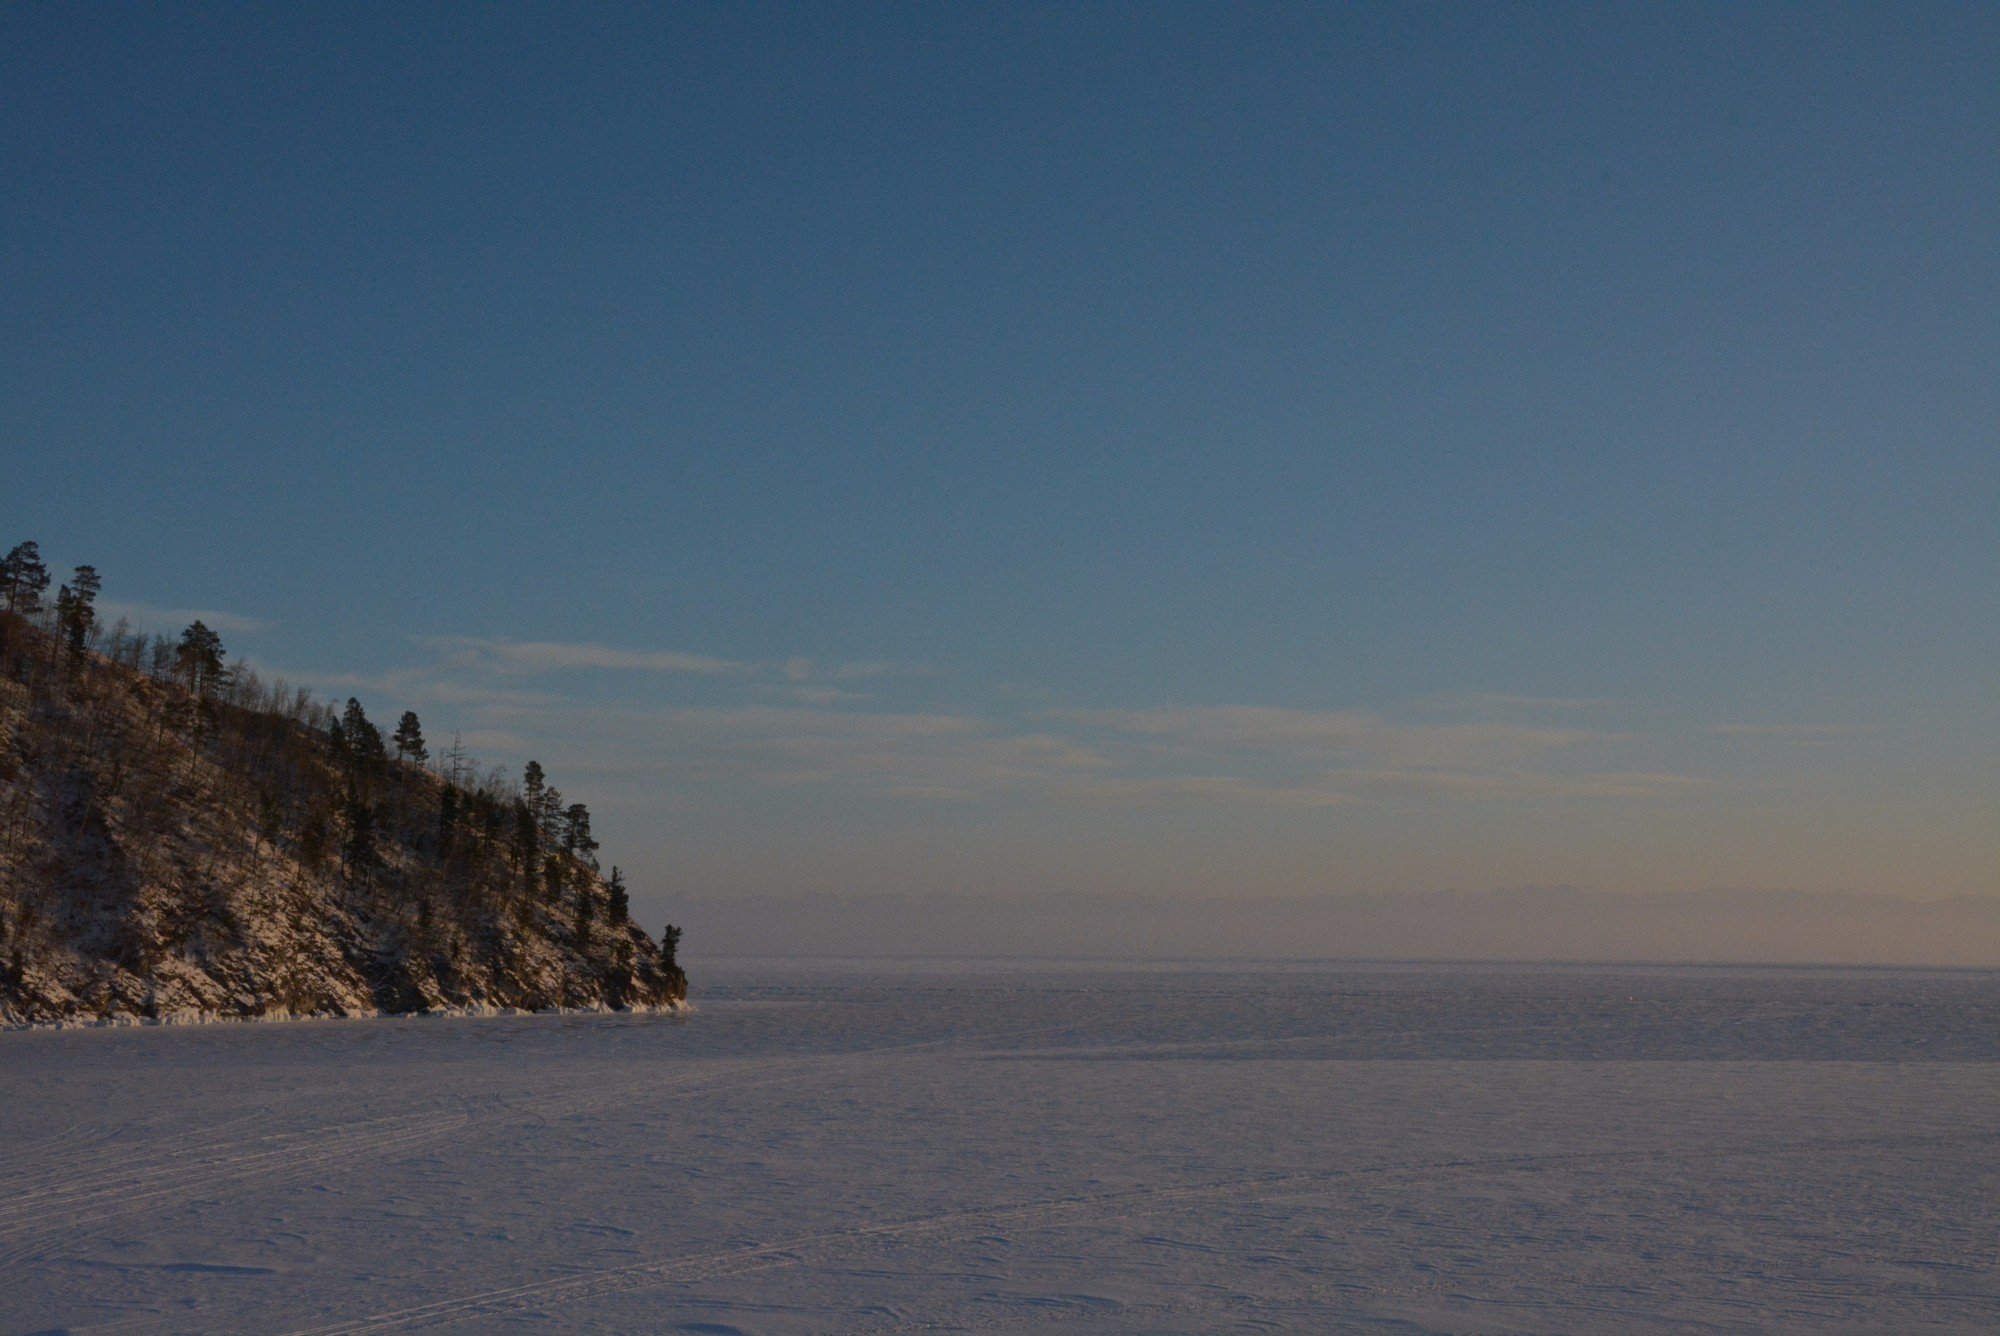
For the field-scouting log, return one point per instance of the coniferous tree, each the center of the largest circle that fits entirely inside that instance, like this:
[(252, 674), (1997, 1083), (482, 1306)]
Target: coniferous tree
[(198, 659), (23, 578), (670, 944), (584, 908), (313, 839), (533, 782), (76, 611), (620, 908), (527, 839), (409, 739), (548, 813), (366, 754), (360, 852), (576, 834), (67, 615), (447, 818)]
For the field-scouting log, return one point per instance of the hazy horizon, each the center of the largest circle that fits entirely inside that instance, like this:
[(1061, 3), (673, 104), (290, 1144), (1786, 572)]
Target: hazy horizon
[(1519, 925)]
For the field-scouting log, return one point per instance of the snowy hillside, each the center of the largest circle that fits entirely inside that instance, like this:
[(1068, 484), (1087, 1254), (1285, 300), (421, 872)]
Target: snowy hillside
[(179, 841)]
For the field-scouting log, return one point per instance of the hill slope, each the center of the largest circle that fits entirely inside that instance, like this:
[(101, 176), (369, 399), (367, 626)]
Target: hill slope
[(180, 841)]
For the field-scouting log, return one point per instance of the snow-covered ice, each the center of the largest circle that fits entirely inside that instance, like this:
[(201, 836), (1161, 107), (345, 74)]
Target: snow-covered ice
[(1034, 1147)]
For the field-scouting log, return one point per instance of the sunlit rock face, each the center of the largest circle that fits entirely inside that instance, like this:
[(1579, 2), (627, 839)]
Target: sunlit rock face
[(173, 852)]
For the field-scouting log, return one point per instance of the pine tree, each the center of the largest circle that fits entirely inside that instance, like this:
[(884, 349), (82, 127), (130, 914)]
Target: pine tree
[(576, 833), (198, 659), (620, 909), (527, 838), (76, 611), (23, 578), (409, 739), (66, 616), (366, 754), (360, 852), (548, 813), (670, 944), (314, 837), (447, 818)]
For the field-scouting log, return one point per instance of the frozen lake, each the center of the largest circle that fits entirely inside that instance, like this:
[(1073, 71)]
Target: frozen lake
[(1035, 1148)]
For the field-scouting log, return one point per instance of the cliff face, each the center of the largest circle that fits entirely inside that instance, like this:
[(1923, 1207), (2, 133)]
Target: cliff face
[(178, 847)]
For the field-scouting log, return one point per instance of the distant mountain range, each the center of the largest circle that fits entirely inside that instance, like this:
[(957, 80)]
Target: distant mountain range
[(181, 840)]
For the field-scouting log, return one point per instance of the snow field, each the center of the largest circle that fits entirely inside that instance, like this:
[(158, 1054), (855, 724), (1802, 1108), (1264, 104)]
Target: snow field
[(996, 1148)]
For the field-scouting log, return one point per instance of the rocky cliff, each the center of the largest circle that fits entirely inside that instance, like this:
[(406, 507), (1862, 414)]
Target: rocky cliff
[(182, 841)]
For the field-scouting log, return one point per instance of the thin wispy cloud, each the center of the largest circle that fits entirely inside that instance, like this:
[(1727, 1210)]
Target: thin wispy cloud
[(526, 657), (808, 733), (405, 687), (1788, 732), (492, 740), (149, 617), (1349, 734), (865, 669), (532, 657), (1243, 759), (1504, 700), (824, 695), (800, 668), (905, 755), (1336, 788), (1513, 784), (1208, 791)]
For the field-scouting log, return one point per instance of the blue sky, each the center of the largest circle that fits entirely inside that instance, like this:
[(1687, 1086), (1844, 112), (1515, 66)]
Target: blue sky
[(1000, 449)]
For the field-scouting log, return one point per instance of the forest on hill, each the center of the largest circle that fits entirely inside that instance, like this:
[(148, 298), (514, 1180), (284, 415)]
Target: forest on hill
[(181, 838)]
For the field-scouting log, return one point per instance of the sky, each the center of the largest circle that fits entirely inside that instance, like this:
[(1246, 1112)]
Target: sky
[(1009, 450)]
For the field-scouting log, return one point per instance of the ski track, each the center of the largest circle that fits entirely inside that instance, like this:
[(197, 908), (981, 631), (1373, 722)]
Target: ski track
[(36, 1226), (61, 1202), (1030, 1216)]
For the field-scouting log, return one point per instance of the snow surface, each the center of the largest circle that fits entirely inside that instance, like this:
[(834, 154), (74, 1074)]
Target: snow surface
[(938, 1146)]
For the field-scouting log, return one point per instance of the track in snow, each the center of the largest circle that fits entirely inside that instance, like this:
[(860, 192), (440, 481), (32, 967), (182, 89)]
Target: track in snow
[(1028, 1216)]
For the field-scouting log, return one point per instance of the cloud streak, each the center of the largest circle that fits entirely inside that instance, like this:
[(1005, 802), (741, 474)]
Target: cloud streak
[(1343, 734), (1787, 732), (526, 657), (905, 755), (827, 738), (523, 658), (955, 757), (163, 620)]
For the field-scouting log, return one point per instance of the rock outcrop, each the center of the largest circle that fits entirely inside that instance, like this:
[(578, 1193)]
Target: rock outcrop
[(177, 842)]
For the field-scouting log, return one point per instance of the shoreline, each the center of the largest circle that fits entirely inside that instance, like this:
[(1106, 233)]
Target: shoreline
[(473, 1011)]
